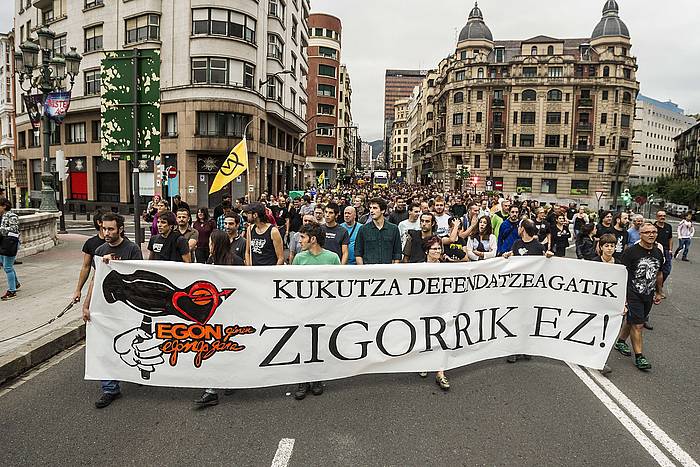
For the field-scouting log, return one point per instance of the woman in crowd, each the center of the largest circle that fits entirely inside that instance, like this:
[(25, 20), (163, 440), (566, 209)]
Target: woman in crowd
[(585, 243), (436, 254), (483, 244), (152, 208), (161, 207), (204, 226), (580, 220), (9, 244), (560, 236)]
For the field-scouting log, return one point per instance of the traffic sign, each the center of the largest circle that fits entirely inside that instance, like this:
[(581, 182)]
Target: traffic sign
[(599, 195), (640, 200), (489, 185), (172, 172)]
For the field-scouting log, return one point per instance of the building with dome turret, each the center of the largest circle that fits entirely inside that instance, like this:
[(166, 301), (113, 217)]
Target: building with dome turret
[(543, 117)]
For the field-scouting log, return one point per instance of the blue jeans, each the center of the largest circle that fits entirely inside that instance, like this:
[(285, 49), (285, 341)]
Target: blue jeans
[(110, 387), (8, 263), (666, 268), (683, 244)]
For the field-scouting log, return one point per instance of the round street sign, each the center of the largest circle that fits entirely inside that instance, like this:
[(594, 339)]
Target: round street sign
[(172, 172)]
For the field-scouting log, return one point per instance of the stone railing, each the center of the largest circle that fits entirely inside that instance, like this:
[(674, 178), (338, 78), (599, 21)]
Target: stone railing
[(38, 231)]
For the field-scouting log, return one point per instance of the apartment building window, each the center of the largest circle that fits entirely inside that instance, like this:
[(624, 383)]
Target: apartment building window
[(606, 71), (221, 124), (457, 119), (477, 161), (47, 16), (55, 137), (324, 129), (93, 38), (456, 140), (75, 133), (554, 95), (551, 141), (555, 72), (326, 109), (479, 117), (525, 163), (469, 118), (515, 118), (624, 143), (96, 131), (530, 72), (93, 82), (477, 138), (275, 47), (614, 119), (220, 22), (59, 45), (328, 52), (271, 135), (248, 74), (550, 163), (533, 50), (93, 3), (603, 118), (496, 161), (553, 118), (549, 185), (429, 116), (527, 118), (170, 125), (527, 141), (324, 150), (579, 187), (459, 76), (293, 65), (602, 142), (624, 121), (275, 88), (628, 73), (277, 9), (566, 141), (458, 97), (326, 70), (524, 185), (500, 54), (480, 73), (566, 118), (21, 140), (295, 28), (626, 98), (326, 90), (605, 95), (35, 139), (529, 95), (581, 164), (142, 28), (213, 70), (601, 165)]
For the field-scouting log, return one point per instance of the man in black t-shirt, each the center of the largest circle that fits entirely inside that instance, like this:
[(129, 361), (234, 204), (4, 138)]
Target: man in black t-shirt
[(337, 236), (620, 225), (294, 221), (169, 244), (606, 224), (665, 238), (644, 262), (89, 248), (544, 229), (116, 247)]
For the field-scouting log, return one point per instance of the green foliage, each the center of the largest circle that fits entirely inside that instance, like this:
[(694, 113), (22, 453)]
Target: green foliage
[(673, 190)]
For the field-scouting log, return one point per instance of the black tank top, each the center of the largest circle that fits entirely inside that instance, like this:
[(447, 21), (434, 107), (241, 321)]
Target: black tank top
[(262, 249)]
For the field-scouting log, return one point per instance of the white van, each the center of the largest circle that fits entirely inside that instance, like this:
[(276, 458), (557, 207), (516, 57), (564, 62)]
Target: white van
[(680, 210)]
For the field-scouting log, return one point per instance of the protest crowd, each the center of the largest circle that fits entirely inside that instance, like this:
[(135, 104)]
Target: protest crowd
[(401, 224)]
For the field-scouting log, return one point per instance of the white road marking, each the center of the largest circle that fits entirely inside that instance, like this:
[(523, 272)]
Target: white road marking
[(31, 374), (284, 452), (674, 449), (622, 417)]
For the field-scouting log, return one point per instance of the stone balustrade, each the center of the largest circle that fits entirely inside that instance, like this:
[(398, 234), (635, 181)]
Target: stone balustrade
[(38, 231)]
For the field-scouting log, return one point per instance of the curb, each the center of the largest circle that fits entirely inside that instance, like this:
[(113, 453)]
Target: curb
[(31, 354)]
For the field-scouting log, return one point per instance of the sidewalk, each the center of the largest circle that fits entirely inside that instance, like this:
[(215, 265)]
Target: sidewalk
[(48, 280)]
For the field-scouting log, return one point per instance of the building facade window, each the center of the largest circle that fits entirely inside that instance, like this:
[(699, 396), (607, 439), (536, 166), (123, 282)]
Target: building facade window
[(93, 81), (551, 141), (96, 131), (221, 124), (529, 95), (549, 185), (527, 118), (275, 88), (554, 95), (457, 119), (550, 163), (59, 45), (459, 76), (581, 164), (142, 28), (555, 72), (527, 141), (529, 72), (324, 150), (223, 71), (275, 47), (458, 97), (220, 22), (525, 163), (579, 187), (170, 125), (553, 118), (93, 38), (456, 140), (277, 8), (550, 50), (606, 71), (328, 52), (326, 70), (75, 133), (93, 3), (326, 90)]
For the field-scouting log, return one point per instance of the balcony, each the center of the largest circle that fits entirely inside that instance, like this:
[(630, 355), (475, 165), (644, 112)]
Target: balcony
[(585, 102), (584, 126), (499, 103), (583, 147)]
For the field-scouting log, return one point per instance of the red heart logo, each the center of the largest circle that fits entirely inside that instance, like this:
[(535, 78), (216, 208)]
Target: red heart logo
[(200, 302)]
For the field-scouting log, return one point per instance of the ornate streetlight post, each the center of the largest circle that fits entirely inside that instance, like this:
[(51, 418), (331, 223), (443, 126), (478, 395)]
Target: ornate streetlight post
[(45, 77)]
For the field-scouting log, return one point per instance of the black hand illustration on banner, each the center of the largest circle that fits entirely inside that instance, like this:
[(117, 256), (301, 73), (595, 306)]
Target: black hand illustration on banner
[(153, 295)]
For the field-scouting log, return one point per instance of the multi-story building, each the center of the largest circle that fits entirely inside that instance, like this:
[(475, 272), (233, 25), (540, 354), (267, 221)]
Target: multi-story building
[(398, 84), (656, 124), (346, 136), (7, 117), (399, 138), (366, 158), (324, 147), (687, 153), (549, 118), (223, 65)]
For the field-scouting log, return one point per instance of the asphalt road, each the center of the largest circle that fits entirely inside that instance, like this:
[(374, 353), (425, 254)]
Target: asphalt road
[(529, 413)]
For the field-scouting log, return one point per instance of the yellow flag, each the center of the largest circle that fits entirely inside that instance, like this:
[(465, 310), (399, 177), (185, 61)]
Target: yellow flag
[(321, 178), (235, 164)]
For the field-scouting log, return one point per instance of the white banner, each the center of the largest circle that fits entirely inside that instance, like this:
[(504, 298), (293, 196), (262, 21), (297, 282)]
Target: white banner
[(189, 325)]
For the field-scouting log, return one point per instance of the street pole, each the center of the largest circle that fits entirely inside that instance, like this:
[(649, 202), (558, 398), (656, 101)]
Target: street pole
[(48, 195), (617, 171), (135, 148)]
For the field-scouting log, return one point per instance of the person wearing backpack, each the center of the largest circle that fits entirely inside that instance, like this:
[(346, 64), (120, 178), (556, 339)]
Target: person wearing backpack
[(9, 244)]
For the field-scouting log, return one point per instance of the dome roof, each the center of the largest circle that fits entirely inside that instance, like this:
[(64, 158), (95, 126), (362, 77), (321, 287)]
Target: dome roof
[(610, 24), (475, 27)]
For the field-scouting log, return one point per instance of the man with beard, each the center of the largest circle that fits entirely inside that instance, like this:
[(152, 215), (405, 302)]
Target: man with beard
[(620, 222), (378, 241), (190, 234), (400, 213), (351, 225), (644, 262), (116, 247), (508, 232), (169, 245), (412, 223), (442, 218), (414, 251), (499, 216), (232, 228)]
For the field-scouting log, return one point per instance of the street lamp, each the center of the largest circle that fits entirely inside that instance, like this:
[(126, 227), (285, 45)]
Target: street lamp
[(274, 75), (52, 71)]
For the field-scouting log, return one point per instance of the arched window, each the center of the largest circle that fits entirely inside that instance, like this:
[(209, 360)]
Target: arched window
[(627, 98), (529, 95), (554, 95), (480, 73), (533, 50), (606, 71), (550, 50), (459, 97)]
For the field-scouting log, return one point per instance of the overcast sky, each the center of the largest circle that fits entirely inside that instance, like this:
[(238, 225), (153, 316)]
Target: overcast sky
[(416, 34)]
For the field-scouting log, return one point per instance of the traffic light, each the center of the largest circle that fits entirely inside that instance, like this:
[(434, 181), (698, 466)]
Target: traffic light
[(61, 166), (627, 197)]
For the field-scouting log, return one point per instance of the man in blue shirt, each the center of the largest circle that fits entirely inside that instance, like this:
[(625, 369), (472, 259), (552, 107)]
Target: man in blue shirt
[(633, 231), (350, 216), (508, 232)]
